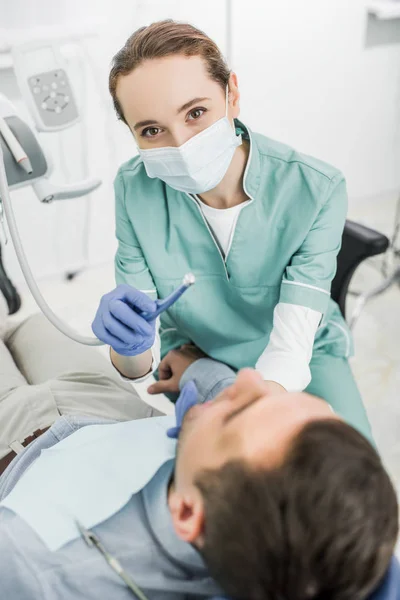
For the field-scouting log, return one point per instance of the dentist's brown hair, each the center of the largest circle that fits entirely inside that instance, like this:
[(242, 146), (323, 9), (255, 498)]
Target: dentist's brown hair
[(166, 38)]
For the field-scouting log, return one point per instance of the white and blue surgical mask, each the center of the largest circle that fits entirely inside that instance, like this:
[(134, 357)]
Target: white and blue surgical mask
[(201, 163)]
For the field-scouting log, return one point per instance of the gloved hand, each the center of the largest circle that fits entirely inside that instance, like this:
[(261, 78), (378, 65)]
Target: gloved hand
[(187, 399), (118, 322)]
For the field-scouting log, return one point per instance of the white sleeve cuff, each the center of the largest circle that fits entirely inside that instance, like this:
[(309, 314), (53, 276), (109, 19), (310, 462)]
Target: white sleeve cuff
[(286, 358), (156, 356), (290, 372)]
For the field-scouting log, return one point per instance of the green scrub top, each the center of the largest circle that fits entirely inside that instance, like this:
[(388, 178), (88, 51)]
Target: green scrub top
[(284, 249)]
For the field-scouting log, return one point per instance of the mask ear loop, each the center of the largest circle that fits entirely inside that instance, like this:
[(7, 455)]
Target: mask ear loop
[(226, 107)]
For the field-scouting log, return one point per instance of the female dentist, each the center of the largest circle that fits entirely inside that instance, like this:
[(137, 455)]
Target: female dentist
[(258, 223)]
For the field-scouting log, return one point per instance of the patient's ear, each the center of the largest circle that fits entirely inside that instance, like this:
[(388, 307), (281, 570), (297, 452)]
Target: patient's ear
[(187, 511)]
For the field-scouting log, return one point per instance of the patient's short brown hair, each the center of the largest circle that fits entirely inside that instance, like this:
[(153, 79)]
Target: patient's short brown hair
[(321, 526)]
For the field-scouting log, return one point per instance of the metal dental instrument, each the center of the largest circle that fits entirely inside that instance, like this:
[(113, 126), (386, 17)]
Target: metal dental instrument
[(165, 303), (93, 541)]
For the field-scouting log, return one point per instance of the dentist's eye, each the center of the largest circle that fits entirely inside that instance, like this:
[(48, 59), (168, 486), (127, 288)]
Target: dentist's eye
[(196, 113), (150, 132)]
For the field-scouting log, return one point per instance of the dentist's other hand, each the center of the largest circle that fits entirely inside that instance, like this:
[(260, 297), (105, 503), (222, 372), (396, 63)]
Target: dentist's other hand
[(119, 324), (173, 366)]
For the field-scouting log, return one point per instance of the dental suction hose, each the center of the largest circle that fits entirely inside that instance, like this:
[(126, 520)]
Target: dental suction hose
[(40, 301)]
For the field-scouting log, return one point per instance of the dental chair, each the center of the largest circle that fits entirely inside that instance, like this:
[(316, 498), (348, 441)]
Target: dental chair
[(45, 190), (42, 167), (358, 244)]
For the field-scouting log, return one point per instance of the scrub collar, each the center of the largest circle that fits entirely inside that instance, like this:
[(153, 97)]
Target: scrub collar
[(252, 173)]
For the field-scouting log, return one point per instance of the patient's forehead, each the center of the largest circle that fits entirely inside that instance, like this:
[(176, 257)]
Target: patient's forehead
[(274, 424)]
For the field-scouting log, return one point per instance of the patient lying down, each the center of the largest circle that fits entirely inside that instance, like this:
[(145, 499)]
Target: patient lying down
[(270, 498)]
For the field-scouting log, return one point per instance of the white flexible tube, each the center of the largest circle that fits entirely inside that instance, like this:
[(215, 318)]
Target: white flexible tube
[(40, 301), (15, 147)]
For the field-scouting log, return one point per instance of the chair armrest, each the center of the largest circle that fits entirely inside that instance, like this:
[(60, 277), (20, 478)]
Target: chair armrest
[(358, 243), (365, 238)]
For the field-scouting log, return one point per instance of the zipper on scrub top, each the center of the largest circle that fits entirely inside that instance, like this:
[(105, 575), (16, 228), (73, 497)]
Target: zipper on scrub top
[(246, 192), (211, 234), (224, 259)]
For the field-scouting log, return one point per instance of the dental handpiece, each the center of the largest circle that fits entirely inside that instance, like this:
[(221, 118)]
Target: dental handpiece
[(165, 303), (15, 147)]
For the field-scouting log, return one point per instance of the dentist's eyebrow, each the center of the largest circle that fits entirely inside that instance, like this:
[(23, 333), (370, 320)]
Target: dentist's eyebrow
[(181, 109), (144, 123), (189, 104)]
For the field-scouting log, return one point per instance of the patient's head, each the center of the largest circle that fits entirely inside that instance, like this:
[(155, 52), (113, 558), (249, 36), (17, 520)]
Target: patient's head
[(283, 499)]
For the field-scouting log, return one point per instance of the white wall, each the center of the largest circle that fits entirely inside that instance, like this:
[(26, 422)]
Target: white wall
[(309, 75), (309, 79)]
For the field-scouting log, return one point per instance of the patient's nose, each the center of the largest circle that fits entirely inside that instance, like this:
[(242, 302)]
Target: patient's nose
[(248, 380)]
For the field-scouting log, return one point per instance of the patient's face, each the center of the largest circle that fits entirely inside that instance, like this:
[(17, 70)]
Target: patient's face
[(242, 422)]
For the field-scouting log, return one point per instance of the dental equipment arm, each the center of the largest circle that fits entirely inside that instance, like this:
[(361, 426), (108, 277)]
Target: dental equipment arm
[(47, 191), (15, 147), (12, 176), (20, 143), (40, 301), (15, 178)]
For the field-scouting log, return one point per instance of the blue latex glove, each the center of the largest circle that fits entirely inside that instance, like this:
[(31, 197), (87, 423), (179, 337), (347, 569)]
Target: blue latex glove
[(187, 399), (119, 324)]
